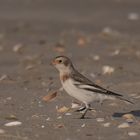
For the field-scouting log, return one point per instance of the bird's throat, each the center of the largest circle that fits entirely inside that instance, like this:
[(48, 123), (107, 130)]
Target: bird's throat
[(64, 77)]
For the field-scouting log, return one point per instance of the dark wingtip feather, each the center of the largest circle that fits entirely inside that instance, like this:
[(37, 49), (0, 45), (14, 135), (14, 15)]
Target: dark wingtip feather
[(113, 93), (126, 100)]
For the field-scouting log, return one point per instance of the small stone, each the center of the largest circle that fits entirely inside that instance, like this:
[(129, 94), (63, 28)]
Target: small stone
[(107, 124), (63, 109), (59, 117), (107, 69), (9, 98), (124, 125), (96, 57), (42, 126), (68, 114), (132, 133), (50, 96), (18, 48), (116, 52), (83, 125), (29, 67), (3, 77), (81, 41), (48, 119), (128, 116), (2, 131), (100, 119), (107, 30), (59, 126), (11, 117), (15, 123), (133, 16)]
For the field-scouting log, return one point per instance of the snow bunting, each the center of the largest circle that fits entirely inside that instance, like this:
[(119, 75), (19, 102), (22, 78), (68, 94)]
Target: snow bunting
[(80, 87)]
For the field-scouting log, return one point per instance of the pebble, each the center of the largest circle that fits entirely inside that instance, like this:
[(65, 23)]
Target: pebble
[(107, 124), (63, 109), (2, 131), (132, 133), (107, 30), (9, 98), (116, 52), (128, 116), (124, 125), (42, 126), (18, 48), (68, 114), (48, 119), (133, 16), (107, 69), (96, 57), (100, 119), (15, 123), (83, 125), (3, 77), (59, 117)]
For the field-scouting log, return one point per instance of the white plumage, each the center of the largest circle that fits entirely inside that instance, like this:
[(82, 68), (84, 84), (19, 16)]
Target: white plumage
[(81, 94)]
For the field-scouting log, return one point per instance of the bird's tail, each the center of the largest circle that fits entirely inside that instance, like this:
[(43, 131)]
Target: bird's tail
[(125, 100)]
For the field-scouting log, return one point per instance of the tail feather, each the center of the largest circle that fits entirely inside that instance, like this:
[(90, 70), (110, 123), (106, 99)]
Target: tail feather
[(126, 100)]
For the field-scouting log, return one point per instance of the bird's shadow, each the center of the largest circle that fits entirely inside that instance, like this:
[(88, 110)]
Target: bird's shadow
[(136, 113)]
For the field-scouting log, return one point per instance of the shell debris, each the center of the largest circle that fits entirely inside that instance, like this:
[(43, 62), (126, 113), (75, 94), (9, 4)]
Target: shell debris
[(14, 123), (124, 125), (108, 69)]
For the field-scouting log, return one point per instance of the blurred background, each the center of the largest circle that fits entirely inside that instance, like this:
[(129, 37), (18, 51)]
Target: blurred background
[(103, 40)]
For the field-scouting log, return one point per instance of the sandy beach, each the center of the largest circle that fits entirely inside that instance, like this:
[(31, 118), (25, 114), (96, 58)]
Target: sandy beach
[(103, 40)]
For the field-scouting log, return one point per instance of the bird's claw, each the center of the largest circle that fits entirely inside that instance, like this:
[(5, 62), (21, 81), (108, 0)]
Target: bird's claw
[(92, 109)]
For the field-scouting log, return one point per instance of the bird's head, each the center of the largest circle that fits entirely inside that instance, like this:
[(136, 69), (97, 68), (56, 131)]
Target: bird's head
[(63, 64)]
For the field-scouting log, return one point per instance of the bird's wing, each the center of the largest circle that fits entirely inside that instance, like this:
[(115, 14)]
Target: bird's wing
[(84, 83)]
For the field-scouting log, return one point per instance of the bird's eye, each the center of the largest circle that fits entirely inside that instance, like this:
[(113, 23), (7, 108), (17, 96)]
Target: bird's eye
[(60, 61)]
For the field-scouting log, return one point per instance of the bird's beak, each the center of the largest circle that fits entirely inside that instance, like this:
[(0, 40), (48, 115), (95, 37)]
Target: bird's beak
[(53, 63)]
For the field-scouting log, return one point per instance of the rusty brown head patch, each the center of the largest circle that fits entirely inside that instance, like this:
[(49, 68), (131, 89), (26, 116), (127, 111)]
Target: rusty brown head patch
[(64, 77)]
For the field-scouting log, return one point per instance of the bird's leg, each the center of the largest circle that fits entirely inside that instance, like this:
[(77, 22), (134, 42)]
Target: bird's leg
[(87, 108), (101, 103)]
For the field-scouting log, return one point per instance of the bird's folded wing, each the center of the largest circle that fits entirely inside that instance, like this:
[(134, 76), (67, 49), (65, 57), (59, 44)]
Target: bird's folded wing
[(82, 82)]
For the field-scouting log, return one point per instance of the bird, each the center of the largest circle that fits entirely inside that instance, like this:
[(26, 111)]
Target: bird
[(80, 87)]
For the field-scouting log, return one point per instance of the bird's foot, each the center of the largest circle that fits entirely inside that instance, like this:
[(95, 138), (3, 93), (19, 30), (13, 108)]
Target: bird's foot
[(82, 117), (92, 109)]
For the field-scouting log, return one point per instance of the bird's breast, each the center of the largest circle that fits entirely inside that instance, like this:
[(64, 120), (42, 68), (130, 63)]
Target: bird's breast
[(74, 91)]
